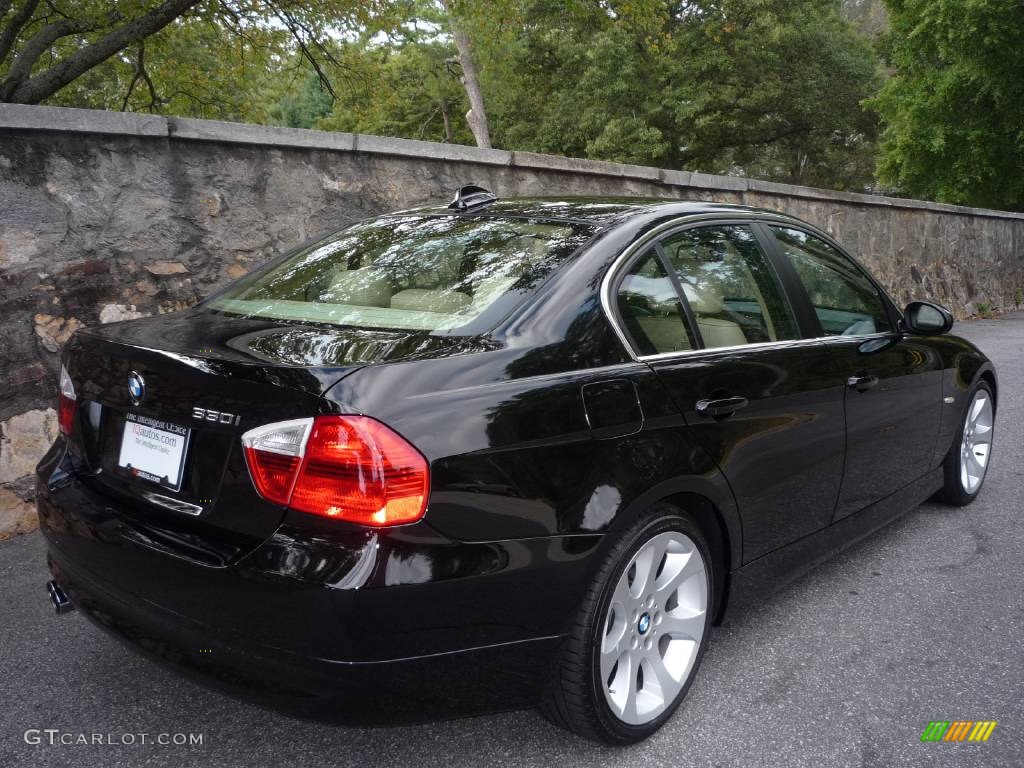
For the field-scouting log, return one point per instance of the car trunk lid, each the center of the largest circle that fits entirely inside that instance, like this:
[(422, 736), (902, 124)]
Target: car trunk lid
[(170, 455)]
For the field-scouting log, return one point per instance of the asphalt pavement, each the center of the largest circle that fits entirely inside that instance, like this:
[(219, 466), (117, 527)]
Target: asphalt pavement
[(923, 621)]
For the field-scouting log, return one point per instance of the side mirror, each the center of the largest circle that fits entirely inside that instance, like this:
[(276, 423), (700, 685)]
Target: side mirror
[(927, 319)]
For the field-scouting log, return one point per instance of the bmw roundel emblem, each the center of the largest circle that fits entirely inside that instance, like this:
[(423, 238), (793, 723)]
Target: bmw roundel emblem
[(136, 387), (644, 624)]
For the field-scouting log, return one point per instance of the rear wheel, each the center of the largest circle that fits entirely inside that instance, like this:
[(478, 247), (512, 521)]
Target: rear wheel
[(967, 462), (640, 634)]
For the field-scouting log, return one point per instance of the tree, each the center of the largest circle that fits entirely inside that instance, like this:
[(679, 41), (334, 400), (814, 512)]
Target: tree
[(407, 89), (301, 105), (778, 92), (46, 46), (868, 16), (767, 88), (477, 115), (771, 88), (27, 84), (955, 104)]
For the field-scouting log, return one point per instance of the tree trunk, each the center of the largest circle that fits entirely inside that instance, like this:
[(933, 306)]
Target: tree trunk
[(477, 115), (449, 134)]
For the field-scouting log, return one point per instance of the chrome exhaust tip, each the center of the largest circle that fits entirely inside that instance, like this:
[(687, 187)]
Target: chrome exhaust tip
[(61, 602)]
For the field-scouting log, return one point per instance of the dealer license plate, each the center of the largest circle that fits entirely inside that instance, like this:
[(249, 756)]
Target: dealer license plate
[(154, 450)]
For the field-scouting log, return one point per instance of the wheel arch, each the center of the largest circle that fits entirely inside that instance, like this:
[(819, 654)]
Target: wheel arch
[(970, 366), (712, 524), (989, 375), (711, 506)]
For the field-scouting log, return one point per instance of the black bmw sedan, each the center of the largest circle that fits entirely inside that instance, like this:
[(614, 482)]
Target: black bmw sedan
[(497, 454)]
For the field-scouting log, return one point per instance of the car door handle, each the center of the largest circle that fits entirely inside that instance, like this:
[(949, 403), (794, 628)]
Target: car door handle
[(862, 382), (712, 409)]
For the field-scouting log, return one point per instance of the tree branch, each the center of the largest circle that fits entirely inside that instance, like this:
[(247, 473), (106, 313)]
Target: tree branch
[(296, 29), (51, 80), (428, 121), (234, 23), (131, 87), (35, 47), (154, 100), (140, 73), (10, 33), (477, 115)]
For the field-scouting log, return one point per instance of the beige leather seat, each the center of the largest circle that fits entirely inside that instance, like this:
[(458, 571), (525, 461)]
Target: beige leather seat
[(665, 332), (715, 331), (490, 288), (365, 287), (438, 264), (720, 333), (423, 300)]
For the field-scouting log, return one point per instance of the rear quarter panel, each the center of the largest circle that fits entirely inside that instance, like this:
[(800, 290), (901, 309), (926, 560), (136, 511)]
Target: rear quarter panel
[(515, 457)]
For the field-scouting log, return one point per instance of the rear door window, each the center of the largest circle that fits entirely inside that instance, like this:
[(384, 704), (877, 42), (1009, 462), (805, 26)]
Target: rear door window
[(730, 286)]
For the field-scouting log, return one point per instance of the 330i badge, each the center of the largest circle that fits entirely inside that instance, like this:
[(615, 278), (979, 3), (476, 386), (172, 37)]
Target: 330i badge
[(498, 454)]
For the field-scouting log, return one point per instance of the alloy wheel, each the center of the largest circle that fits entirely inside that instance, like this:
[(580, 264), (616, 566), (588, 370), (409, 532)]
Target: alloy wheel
[(976, 445), (653, 627)]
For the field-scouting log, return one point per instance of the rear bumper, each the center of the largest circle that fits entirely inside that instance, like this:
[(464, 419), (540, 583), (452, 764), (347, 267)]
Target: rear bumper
[(330, 623), (505, 676)]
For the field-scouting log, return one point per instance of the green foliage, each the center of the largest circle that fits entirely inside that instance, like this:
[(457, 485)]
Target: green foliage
[(301, 104), (779, 91), (404, 90), (1018, 297), (765, 87), (203, 58), (984, 309), (954, 106), (198, 69)]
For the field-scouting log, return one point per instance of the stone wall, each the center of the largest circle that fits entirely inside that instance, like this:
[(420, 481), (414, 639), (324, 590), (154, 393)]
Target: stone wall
[(106, 216)]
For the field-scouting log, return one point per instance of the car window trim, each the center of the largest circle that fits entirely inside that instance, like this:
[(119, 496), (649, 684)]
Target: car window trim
[(620, 267)]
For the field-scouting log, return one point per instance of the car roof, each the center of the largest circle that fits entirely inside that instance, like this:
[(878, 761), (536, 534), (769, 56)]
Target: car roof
[(599, 211)]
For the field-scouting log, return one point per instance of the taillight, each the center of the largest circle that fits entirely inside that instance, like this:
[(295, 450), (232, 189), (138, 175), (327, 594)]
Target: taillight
[(274, 453), (345, 467), (67, 403)]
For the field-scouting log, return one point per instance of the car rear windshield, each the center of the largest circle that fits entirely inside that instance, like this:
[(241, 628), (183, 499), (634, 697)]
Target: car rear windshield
[(411, 272)]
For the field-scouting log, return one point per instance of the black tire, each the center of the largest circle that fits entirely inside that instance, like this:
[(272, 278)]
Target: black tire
[(952, 491), (573, 699)]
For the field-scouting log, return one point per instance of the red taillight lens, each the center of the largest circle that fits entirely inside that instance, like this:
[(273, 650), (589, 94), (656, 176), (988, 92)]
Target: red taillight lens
[(67, 403), (359, 470), (345, 467)]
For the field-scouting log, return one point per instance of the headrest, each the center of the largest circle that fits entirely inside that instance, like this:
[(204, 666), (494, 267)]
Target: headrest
[(702, 301), (365, 287)]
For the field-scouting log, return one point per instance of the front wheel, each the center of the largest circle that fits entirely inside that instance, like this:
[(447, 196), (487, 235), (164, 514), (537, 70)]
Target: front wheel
[(966, 464), (640, 634)]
